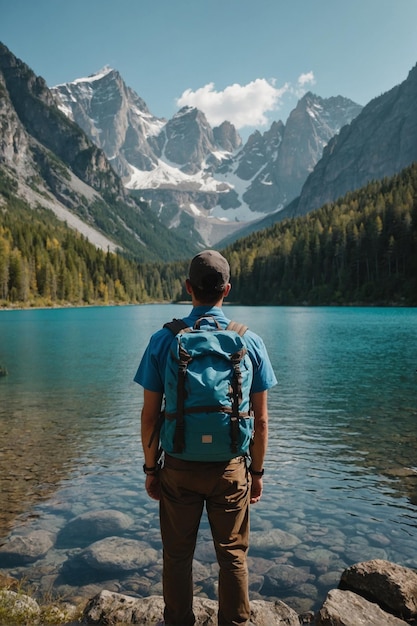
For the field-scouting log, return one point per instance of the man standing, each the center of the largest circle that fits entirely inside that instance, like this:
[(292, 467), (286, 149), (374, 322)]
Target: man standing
[(225, 487)]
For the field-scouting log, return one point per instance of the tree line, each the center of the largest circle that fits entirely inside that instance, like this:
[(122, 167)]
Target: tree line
[(361, 249)]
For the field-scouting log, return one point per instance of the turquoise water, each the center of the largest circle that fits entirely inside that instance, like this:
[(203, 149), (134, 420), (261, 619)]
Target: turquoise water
[(341, 470)]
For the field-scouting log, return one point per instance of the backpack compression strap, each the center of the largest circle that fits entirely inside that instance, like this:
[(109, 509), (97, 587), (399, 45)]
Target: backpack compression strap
[(179, 436)]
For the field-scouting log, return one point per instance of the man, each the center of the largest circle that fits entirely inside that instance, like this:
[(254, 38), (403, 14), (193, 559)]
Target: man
[(183, 487)]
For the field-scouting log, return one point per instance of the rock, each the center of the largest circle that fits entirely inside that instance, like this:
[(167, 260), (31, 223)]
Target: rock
[(283, 577), (92, 526), (321, 558), (392, 586), (118, 555), (273, 613), (345, 608), (21, 549), (361, 551), (111, 608), (204, 552), (274, 539), (17, 607)]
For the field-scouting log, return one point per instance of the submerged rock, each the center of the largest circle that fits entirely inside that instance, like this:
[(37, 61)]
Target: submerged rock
[(118, 555), (273, 539), (92, 526), (21, 549)]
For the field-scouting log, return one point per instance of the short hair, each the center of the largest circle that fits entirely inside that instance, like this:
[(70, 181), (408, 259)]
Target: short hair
[(208, 295)]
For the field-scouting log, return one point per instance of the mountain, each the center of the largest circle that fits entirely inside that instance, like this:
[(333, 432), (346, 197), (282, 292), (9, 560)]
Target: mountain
[(379, 142), (197, 179), (278, 162), (53, 164)]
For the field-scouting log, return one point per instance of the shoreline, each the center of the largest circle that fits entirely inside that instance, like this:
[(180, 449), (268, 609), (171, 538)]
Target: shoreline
[(304, 305)]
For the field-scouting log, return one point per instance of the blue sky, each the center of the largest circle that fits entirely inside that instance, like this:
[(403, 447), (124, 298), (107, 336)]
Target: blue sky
[(248, 61)]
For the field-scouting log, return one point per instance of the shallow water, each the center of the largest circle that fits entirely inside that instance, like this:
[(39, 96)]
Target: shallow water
[(341, 471)]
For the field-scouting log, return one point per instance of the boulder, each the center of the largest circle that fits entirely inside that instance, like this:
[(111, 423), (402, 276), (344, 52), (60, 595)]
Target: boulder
[(17, 607), (112, 608), (392, 586), (345, 608), (92, 526), (22, 549), (117, 555)]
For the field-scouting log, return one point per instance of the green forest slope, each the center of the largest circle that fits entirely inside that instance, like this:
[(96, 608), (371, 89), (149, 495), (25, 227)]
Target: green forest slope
[(361, 249)]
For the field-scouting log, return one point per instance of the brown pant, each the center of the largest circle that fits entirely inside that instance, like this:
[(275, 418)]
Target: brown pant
[(225, 489)]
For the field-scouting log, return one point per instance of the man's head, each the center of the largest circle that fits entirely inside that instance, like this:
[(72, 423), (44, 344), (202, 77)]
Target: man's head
[(209, 276)]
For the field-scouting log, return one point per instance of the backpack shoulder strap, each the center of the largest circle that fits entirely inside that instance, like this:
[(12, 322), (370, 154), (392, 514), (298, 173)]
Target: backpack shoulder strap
[(176, 325), (236, 384), (240, 329)]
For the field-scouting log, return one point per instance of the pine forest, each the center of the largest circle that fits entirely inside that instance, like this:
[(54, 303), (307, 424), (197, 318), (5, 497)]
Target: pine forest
[(359, 250)]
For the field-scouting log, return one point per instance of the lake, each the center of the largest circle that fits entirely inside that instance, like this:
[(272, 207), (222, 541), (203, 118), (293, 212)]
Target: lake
[(341, 471)]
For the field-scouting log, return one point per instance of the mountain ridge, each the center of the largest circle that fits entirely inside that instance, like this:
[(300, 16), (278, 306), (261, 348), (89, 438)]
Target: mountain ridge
[(57, 166), (379, 142), (183, 166)]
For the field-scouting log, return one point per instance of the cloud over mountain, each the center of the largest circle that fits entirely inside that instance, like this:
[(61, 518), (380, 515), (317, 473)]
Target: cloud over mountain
[(244, 105)]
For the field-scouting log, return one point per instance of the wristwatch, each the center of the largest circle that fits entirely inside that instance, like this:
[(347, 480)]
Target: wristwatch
[(254, 473), (149, 471)]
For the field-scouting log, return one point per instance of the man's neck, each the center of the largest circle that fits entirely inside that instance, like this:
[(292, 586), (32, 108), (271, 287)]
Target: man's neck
[(218, 304)]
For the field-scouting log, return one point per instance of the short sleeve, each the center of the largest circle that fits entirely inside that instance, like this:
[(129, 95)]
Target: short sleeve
[(263, 374), (150, 373)]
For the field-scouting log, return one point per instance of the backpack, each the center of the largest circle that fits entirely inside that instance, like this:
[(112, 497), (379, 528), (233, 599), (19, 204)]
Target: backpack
[(208, 378)]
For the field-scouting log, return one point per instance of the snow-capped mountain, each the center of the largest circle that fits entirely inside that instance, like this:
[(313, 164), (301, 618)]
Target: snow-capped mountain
[(197, 178)]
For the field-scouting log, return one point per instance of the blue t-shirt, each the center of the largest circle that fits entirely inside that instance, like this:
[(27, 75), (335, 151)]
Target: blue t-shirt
[(151, 371)]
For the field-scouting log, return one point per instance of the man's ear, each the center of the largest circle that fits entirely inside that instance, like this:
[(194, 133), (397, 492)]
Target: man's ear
[(227, 290), (188, 286)]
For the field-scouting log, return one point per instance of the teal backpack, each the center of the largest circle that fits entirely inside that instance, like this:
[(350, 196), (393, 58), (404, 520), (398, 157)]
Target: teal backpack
[(208, 379)]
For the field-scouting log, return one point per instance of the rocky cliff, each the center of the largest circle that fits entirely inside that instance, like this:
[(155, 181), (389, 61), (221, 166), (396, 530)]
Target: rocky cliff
[(56, 166), (379, 142)]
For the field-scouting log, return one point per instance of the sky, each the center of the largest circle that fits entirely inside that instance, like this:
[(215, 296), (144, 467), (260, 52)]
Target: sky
[(246, 61)]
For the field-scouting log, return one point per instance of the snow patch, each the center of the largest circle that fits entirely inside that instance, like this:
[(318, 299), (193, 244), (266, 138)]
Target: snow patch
[(168, 177), (92, 78)]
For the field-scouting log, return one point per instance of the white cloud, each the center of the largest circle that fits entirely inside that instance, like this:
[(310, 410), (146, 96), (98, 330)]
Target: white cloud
[(243, 105), (304, 82), (306, 79)]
